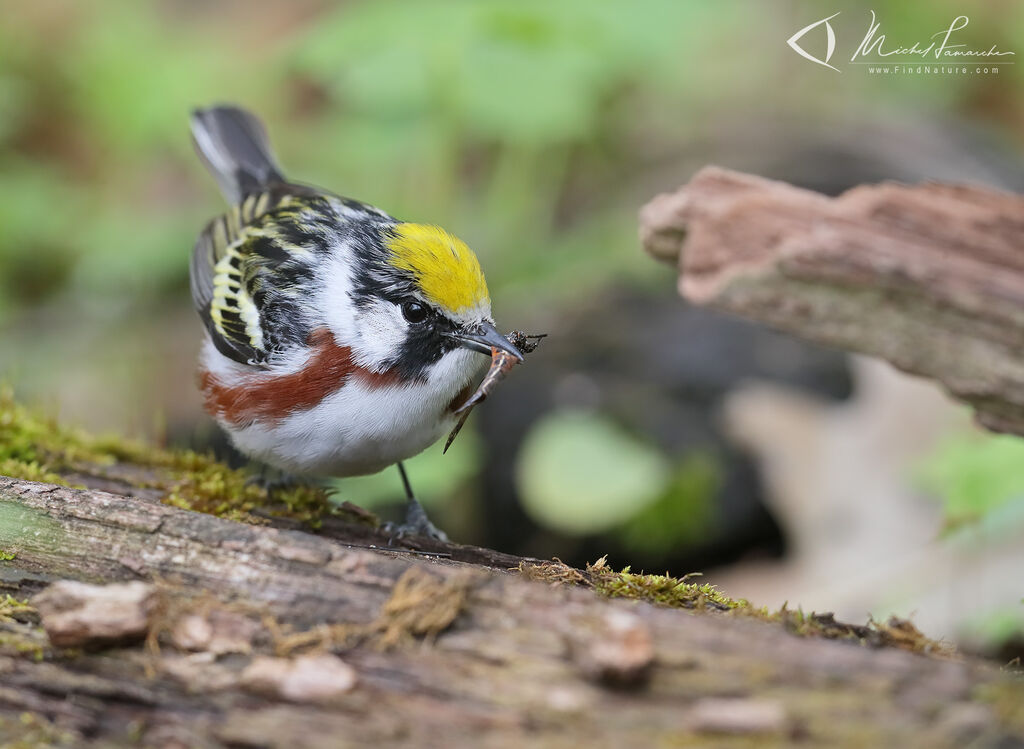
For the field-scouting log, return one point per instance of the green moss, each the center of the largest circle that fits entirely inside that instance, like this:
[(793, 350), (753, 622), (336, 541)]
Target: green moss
[(37, 448), (21, 647), (674, 592), (660, 589), (308, 503), (20, 635), (198, 482), (30, 471), (11, 607), (32, 731), (7, 556), (1006, 698)]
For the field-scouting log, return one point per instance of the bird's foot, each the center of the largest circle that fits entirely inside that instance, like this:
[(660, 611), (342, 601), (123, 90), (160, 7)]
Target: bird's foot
[(273, 482), (416, 524)]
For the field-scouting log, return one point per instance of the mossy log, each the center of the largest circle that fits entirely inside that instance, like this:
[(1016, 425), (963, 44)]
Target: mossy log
[(929, 277), (270, 637)]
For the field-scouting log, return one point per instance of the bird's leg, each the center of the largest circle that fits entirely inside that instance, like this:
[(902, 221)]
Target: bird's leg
[(273, 480), (416, 520)]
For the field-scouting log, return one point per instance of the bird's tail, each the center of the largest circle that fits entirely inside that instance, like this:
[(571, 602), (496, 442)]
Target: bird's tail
[(234, 146)]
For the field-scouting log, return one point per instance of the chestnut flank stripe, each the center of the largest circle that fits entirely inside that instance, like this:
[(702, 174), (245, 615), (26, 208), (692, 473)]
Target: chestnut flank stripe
[(273, 397)]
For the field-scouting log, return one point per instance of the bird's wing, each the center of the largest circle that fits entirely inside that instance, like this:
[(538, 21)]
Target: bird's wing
[(252, 268)]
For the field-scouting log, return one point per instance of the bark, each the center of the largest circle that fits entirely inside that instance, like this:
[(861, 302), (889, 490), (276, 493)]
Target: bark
[(929, 277), (261, 636)]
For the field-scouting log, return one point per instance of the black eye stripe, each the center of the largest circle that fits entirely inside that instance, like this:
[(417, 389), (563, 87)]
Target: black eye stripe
[(425, 342)]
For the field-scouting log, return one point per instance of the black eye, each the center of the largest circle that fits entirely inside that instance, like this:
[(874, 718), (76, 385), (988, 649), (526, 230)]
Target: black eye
[(414, 312)]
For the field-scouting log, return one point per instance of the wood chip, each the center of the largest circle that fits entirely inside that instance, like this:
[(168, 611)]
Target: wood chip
[(308, 678), (215, 631), (78, 614), (620, 653), (738, 715)]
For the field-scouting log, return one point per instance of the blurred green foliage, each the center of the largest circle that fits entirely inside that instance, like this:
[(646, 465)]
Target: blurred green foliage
[(465, 114), (996, 628), (475, 115), (579, 473), (514, 123), (683, 515), (975, 475)]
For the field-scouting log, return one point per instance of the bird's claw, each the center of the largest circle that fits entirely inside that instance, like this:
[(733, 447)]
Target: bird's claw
[(416, 524), (272, 484)]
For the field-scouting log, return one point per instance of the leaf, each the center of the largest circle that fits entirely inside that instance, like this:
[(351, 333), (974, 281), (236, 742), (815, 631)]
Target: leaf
[(579, 473), (975, 474)]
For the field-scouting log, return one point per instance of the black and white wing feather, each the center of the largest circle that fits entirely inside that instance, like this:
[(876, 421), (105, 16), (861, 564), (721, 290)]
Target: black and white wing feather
[(253, 268), (249, 265)]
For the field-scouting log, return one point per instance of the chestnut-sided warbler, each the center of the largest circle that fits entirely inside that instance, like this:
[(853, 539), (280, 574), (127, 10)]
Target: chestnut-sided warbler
[(339, 340)]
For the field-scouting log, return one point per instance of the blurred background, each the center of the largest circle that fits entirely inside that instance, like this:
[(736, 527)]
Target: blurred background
[(668, 437)]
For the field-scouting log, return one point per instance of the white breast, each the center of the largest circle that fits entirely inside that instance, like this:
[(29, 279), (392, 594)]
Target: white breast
[(361, 429)]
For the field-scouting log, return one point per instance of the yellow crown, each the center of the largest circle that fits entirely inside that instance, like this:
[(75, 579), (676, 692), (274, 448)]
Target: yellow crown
[(446, 269)]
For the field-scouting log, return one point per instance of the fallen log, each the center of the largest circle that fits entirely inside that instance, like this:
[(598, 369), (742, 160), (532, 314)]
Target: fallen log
[(929, 277), (268, 637)]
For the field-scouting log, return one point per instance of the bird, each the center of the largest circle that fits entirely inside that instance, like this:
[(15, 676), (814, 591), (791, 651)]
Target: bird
[(339, 340)]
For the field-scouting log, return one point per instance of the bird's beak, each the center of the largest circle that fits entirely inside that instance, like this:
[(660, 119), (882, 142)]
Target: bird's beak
[(484, 338)]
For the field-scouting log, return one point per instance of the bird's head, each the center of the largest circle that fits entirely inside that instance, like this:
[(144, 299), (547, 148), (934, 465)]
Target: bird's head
[(420, 303)]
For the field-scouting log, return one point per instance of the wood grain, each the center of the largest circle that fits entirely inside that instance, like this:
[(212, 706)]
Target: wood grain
[(444, 653), (929, 277)]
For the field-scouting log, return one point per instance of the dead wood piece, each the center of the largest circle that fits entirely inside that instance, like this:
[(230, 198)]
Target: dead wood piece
[(308, 678), (929, 277), (620, 653), (738, 715), (216, 631), (76, 614)]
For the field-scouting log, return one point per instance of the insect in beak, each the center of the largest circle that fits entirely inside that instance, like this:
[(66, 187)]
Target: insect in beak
[(485, 339), (503, 359)]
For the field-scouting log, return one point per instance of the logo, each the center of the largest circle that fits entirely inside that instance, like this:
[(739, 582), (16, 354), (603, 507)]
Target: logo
[(939, 53), (830, 48)]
